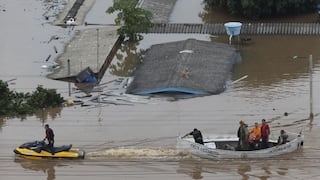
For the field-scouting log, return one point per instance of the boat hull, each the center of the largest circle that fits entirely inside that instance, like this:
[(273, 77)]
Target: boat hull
[(40, 150), (73, 153), (210, 150)]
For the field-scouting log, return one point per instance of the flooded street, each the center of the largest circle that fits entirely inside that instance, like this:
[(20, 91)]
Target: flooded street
[(139, 141)]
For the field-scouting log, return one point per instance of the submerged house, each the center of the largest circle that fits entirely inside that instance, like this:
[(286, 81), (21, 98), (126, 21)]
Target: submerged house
[(189, 66)]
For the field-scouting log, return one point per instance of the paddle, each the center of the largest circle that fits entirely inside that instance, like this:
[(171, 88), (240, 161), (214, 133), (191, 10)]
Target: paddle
[(185, 135), (240, 79)]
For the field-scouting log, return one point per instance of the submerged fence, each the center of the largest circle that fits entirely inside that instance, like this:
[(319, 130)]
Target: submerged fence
[(246, 29)]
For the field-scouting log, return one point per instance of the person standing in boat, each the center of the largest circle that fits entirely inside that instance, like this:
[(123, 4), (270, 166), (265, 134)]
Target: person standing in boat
[(196, 135), (49, 137), (265, 132), (243, 136), (254, 136)]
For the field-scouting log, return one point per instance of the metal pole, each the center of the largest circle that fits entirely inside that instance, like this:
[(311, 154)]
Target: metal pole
[(69, 84), (311, 96), (97, 50)]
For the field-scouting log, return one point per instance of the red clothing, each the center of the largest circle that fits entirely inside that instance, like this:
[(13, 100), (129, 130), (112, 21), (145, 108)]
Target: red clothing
[(265, 130)]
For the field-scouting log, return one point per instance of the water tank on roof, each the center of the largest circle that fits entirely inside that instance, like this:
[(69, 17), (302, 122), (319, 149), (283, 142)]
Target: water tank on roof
[(233, 29)]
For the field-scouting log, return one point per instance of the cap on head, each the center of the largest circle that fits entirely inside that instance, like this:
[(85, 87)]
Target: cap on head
[(263, 120)]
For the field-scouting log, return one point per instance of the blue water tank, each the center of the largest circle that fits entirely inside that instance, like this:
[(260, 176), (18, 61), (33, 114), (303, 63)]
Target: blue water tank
[(233, 28)]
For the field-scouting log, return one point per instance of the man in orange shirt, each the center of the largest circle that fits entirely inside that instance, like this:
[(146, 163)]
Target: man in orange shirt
[(254, 136)]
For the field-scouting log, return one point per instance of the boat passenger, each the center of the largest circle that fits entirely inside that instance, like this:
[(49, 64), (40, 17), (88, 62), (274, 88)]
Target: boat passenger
[(196, 135), (243, 136), (265, 132), (254, 137), (49, 137), (283, 138)]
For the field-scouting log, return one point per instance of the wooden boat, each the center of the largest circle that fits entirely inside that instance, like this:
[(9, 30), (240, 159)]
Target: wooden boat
[(224, 147)]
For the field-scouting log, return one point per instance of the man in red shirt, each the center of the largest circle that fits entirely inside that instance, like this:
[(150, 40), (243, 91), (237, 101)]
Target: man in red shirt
[(265, 132)]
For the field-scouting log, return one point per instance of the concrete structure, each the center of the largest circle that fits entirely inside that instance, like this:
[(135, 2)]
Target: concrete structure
[(161, 9), (89, 48)]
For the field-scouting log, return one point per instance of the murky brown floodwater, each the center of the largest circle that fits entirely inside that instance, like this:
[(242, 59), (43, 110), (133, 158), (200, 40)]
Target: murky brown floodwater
[(135, 142)]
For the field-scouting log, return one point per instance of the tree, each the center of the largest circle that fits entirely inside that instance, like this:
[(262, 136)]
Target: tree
[(133, 20), (14, 103), (257, 9)]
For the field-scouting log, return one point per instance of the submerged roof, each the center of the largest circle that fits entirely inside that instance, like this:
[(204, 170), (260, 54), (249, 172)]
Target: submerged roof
[(189, 66)]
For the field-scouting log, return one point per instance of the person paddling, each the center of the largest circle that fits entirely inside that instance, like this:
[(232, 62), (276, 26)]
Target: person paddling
[(196, 135)]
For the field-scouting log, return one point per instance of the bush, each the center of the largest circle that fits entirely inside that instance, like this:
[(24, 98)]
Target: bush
[(257, 9), (14, 103)]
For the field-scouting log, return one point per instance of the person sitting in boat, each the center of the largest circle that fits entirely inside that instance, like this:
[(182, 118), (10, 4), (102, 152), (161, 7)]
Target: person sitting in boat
[(254, 137), (243, 136), (283, 138), (49, 137), (196, 135)]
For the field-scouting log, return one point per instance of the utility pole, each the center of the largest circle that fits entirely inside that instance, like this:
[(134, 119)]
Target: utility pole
[(311, 95), (97, 50)]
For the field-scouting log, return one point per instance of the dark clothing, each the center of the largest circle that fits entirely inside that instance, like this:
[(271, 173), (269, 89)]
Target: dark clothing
[(50, 138), (243, 137), (283, 138), (197, 136), (264, 143), (49, 134)]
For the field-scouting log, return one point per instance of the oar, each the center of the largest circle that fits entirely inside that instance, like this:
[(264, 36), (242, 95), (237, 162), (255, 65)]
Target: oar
[(240, 79)]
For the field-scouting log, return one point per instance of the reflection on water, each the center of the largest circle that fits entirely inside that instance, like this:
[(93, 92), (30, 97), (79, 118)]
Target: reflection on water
[(126, 59), (1, 122), (47, 167), (43, 115), (192, 168), (243, 169), (48, 113)]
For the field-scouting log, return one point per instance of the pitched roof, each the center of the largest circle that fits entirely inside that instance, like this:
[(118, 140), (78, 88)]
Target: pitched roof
[(189, 66)]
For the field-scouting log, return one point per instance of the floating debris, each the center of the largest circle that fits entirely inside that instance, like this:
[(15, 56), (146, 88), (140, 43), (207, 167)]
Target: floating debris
[(110, 93)]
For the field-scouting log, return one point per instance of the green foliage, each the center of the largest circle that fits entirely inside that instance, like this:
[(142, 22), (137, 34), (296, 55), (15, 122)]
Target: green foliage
[(133, 20), (44, 98), (14, 103), (257, 9)]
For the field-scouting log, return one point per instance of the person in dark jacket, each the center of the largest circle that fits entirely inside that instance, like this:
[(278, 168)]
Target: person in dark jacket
[(243, 135), (196, 135), (283, 138), (49, 137)]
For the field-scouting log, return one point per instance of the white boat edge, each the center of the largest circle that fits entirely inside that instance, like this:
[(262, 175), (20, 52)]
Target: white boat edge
[(208, 150)]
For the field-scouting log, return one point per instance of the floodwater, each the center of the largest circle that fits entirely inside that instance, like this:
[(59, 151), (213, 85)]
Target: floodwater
[(138, 141)]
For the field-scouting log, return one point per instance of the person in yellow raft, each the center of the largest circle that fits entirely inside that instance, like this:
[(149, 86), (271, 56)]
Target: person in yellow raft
[(254, 137)]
